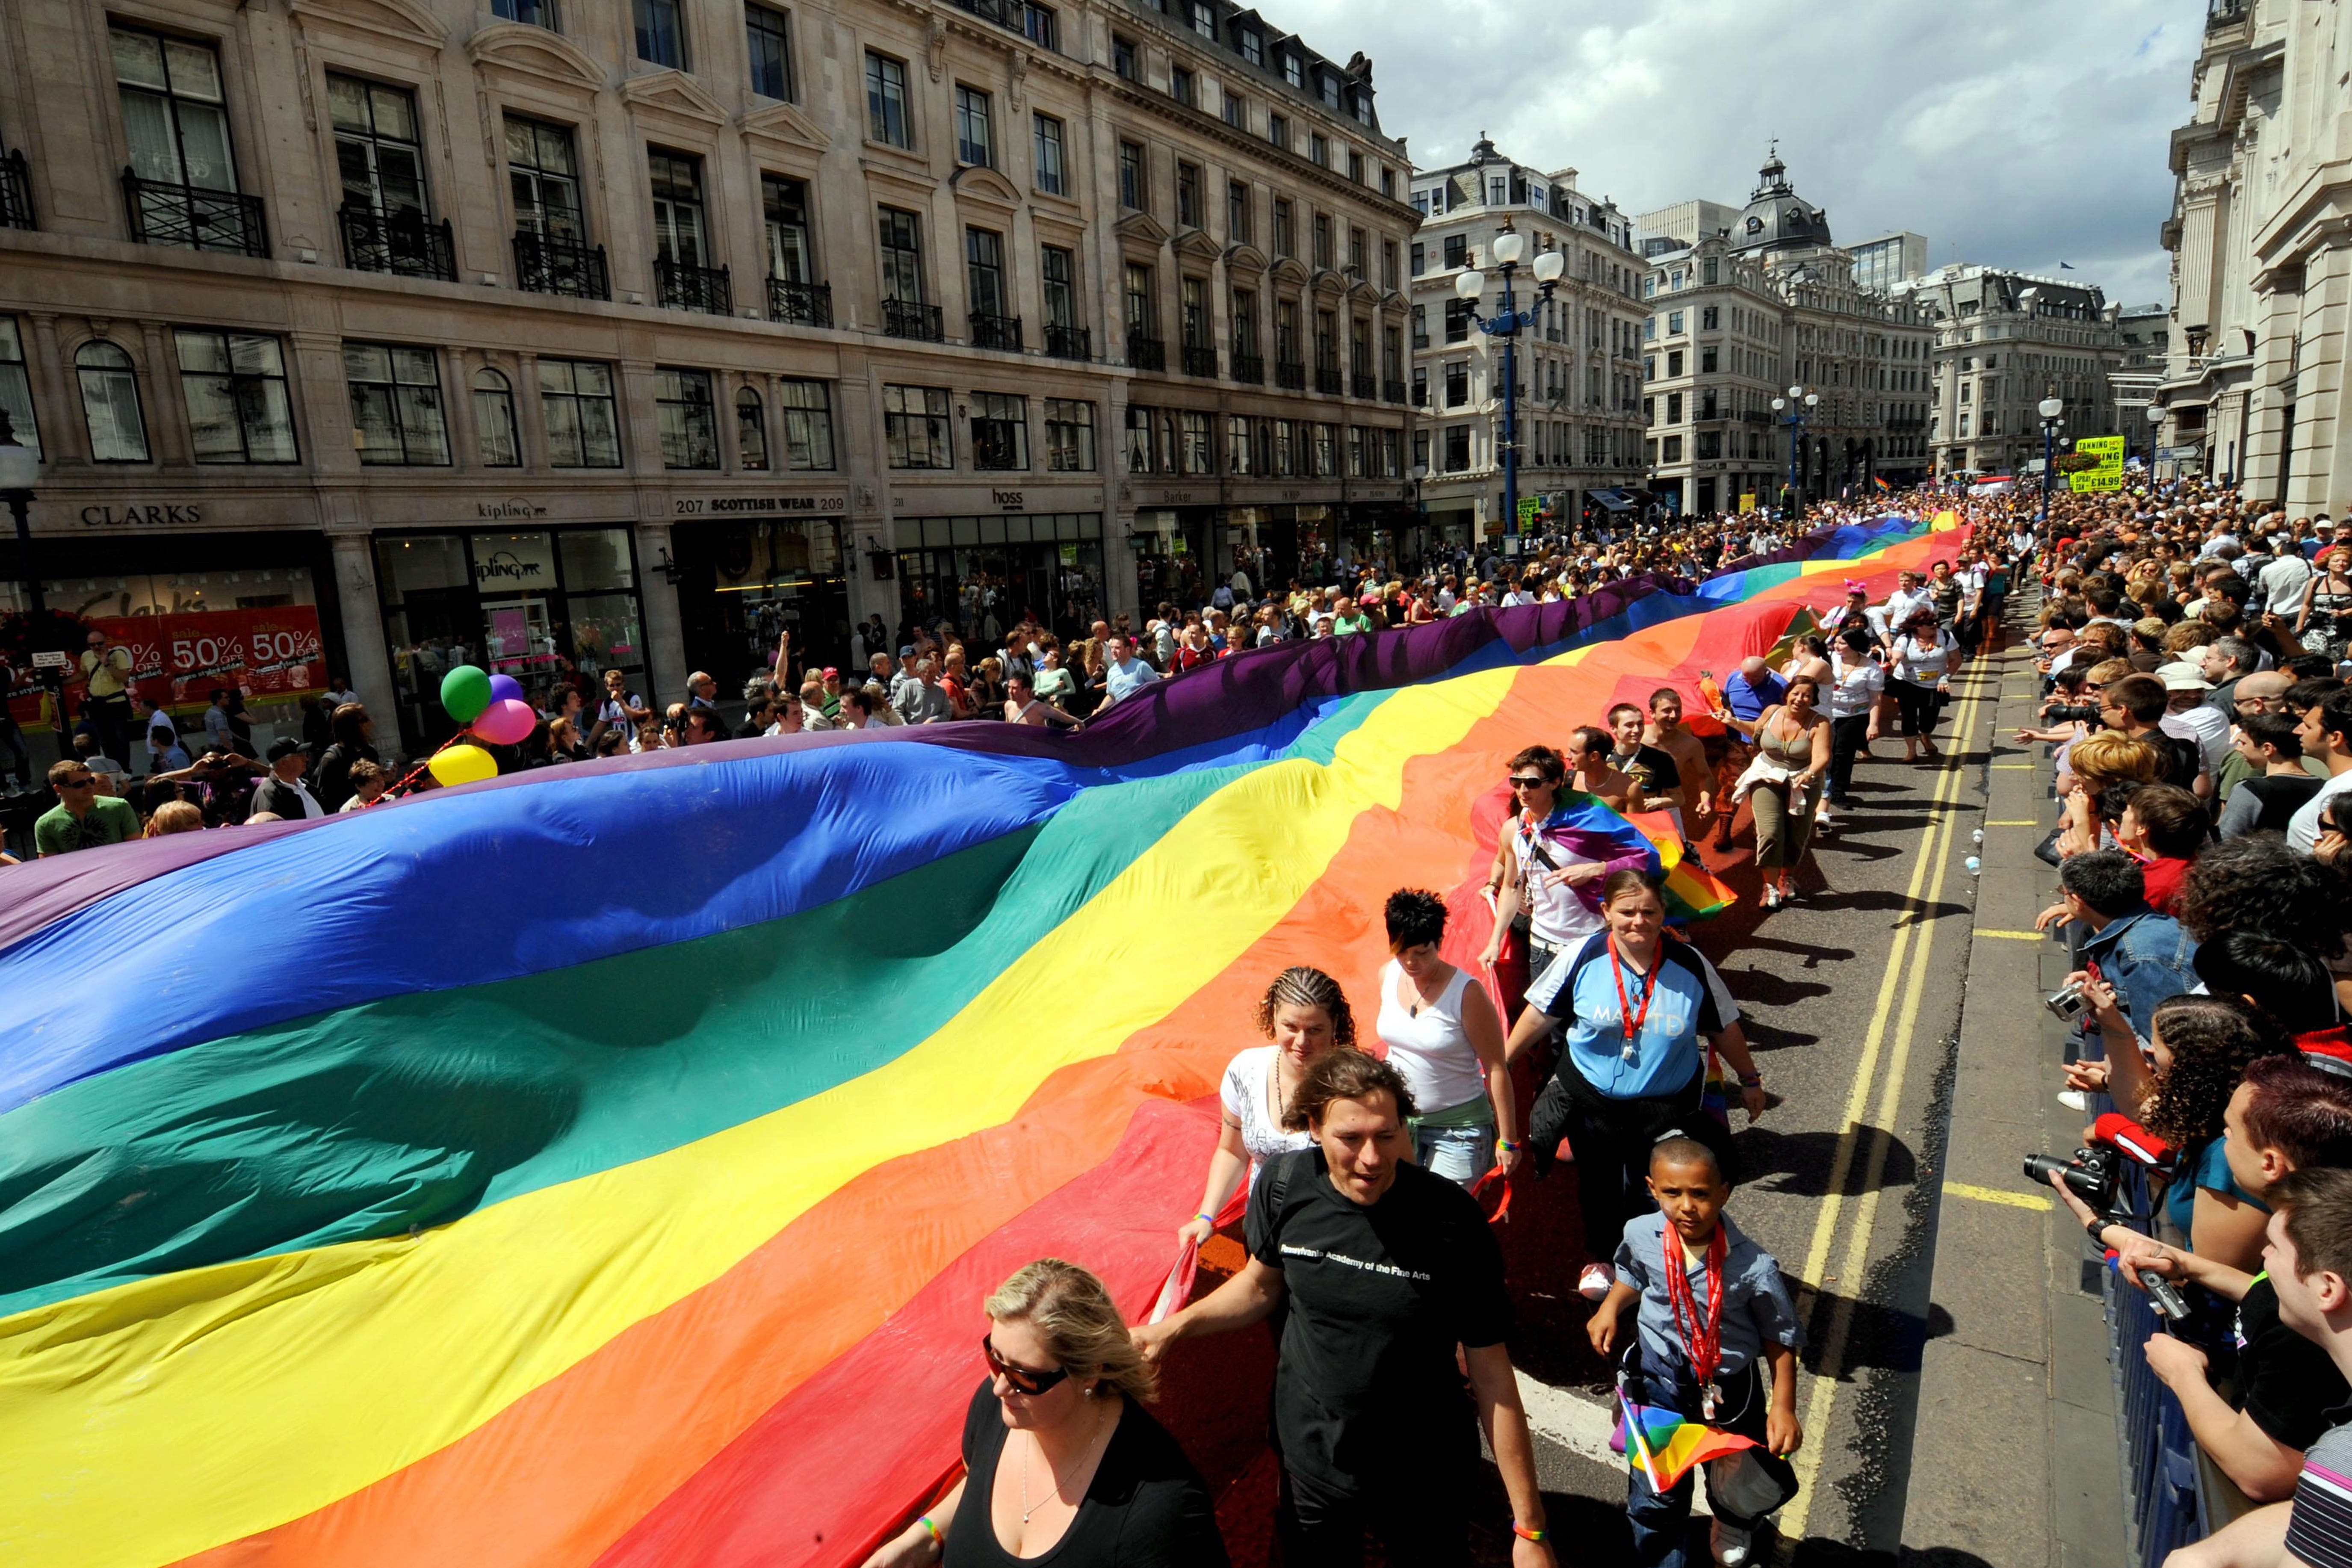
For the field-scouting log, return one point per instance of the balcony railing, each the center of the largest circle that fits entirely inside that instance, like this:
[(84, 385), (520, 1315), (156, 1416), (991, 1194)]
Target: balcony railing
[(551, 264), (685, 287), (1756, 417), (1420, 341), (1147, 353), (1363, 383), (1290, 374), (16, 193), (1013, 14), (1392, 392), (1247, 369), (194, 219), (402, 242), (1068, 343), (996, 332), (1327, 380), (906, 318), (800, 304), (1200, 360)]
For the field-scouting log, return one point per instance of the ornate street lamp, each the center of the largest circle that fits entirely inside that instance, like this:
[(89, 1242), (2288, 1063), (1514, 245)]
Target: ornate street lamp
[(1470, 285)]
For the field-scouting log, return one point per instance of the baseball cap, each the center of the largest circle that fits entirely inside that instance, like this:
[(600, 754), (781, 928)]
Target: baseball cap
[(907, 652), (831, 673), (2182, 675), (284, 746)]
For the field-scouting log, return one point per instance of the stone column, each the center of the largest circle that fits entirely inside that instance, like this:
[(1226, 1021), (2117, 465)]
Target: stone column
[(363, 636), (2320, 477)]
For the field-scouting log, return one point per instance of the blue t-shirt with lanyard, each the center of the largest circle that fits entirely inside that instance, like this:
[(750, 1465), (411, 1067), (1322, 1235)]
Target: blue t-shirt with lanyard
[(1592, 988)]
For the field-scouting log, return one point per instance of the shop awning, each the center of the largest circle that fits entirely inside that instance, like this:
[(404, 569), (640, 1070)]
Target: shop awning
[(1614, 500)]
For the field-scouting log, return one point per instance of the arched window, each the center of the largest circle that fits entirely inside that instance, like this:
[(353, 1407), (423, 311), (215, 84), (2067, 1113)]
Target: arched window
[(494, 421), (750, 432), (109, 404)]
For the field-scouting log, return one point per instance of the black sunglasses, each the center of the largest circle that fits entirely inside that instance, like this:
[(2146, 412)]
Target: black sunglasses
[(1022, 1380), (1535, 782)]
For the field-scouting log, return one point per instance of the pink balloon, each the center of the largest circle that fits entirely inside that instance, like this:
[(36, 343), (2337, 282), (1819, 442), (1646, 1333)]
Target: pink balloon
[(505, 722)]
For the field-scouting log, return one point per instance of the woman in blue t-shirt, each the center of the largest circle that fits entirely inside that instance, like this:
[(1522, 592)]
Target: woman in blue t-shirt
[(1641, 1012)]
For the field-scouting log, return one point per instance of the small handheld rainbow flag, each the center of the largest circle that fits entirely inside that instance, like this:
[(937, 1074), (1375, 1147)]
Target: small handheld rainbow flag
[(1663, 1446), (1882, 484)]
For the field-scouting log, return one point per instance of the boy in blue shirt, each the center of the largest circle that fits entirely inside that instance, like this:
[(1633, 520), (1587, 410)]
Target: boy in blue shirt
[(1714, 1315)]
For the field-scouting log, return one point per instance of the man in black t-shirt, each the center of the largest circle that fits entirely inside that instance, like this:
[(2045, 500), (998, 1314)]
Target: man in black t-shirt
[(2286, 1115), (1661, 780), (1384, 1271)]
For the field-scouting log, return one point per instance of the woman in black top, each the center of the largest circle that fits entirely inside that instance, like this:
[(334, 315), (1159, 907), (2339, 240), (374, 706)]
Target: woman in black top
[(1060, 1456)]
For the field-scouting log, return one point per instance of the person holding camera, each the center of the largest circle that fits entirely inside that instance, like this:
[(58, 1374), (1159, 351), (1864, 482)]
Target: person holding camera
[(2200, 1046), (2286, 1115), (2327, 608), (2141, 956), (2308, 1258)]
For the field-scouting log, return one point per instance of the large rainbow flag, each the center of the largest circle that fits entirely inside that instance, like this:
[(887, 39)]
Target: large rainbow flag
[(606, 1166)]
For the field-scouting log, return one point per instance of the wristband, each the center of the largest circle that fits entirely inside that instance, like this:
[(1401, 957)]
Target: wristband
[(1507, 1147), (926, 1522), (2096, 1227), (1207, 1215), (1751, 1080), (1524, 1534)]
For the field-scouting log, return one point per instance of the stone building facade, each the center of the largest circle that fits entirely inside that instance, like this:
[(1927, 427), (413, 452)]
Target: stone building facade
[(1580, 430), (2260, 236), (2005, 340), (567, 336), (1764, 302)]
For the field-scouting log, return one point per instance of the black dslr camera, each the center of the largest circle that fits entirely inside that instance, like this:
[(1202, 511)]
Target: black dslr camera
[(2092, 1174)]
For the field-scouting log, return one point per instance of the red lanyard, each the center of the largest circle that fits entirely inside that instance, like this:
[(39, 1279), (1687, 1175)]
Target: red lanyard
[(1702, 1338), (1625, 1011)]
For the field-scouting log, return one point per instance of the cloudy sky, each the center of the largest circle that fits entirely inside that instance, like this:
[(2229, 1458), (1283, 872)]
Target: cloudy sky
[(2026, 133)]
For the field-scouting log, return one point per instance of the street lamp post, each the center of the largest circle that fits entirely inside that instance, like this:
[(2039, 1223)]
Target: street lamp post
[(1798, 404), (2154, 423), (2050, 408), (1469, 286)]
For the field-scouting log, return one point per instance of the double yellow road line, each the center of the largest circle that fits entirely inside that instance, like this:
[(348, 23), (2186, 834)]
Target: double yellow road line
[(1907, 974)]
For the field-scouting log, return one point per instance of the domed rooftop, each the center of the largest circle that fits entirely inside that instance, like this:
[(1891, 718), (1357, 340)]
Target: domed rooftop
[(1776, 218)]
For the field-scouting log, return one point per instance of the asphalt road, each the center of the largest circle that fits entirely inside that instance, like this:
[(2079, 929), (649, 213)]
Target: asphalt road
[(1852, 998)]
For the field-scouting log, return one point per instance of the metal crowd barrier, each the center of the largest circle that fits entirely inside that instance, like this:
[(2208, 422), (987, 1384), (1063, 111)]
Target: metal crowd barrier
[(2164, 1506)]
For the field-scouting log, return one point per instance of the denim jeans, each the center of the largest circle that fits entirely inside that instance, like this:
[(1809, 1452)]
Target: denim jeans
[(1460, 1154)]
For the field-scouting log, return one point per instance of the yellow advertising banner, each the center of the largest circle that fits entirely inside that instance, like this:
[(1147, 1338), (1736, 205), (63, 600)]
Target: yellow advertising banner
[(2105, 471), (1748, 500)]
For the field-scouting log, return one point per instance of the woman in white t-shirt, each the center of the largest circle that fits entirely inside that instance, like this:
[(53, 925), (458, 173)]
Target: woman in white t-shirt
[(1920, 678), (1305, 1013), (1852, 689), (1444, 1036)]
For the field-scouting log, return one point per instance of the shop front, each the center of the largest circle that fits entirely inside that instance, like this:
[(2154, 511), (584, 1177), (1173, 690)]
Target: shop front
[(195, 611), (550, 607), (742, 584), (986, 572)]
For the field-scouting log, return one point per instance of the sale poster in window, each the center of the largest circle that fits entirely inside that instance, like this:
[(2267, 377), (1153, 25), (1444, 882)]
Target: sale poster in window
[(273, 654)]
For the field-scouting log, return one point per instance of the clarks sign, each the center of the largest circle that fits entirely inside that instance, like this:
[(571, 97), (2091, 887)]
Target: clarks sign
[(141, 516)]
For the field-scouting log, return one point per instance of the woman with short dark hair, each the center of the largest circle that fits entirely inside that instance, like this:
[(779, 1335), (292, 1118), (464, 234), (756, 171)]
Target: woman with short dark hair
[(1446, 1039)]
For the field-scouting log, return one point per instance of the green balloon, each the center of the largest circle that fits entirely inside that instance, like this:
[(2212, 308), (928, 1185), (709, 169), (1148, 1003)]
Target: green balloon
[(466, 693)]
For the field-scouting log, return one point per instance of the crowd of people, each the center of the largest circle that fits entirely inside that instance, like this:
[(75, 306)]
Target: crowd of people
[(2198, 727)]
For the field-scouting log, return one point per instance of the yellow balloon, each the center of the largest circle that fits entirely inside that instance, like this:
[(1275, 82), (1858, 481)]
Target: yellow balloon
[(463, 764)]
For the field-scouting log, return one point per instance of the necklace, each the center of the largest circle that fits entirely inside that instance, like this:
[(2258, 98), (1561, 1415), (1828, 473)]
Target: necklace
[(1026, 1506)]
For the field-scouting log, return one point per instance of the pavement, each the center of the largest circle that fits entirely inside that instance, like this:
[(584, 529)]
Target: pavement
[(1954, 1393)]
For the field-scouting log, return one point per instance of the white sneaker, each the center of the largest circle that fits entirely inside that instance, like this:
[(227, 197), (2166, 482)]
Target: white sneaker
[(2073, 1099), (1730, 1544), (1595, 1281)]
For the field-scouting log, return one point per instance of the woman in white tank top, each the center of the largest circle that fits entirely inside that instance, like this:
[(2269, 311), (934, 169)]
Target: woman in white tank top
[(1305, 1013), (1445, 1037)]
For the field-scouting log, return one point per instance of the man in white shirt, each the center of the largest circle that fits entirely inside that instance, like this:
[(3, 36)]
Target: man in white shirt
[(2327, 734), (1909, 596), (283, 793), (1123, 673), (2188, 718), (2282, 581)]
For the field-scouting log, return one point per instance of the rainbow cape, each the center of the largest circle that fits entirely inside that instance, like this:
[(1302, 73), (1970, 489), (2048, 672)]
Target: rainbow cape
[(1664, 1447), (605, 1165)]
